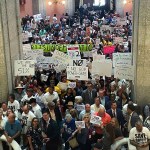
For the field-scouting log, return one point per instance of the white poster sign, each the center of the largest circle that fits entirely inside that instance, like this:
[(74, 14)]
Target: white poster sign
[(118, 40), (95, 120), (25, 37), (122, 59), (74, 52), (24, 67), (77, 62), (37, 17), (80, 124), (97, 57), (77, 72), (27, 47), (71, 85), (80, 107), (103, 68), (124, 72)]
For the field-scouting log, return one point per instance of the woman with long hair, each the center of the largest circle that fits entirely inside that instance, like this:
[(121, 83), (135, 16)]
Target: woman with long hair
[(85, 136), (34, 135)]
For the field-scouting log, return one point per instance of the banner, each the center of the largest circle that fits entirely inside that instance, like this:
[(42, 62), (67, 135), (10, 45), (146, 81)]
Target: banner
[(77, 62), (24, 67), (80, 124), (97, 57), (72, 85), (124, 72), (73, 52), (122, 59), (77, 72), (95, 120), (60, 47), (103, 68)]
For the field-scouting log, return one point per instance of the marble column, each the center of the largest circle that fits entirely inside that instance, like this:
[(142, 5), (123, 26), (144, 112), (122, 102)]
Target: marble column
[(10, 44), (141, 50), (120, 7), (70, 7), (42, 7)]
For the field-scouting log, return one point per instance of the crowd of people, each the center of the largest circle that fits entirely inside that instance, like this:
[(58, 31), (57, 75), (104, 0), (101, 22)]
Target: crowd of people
[(42, 115)]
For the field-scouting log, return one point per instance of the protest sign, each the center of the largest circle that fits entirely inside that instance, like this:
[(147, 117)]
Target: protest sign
[(121, 21), (88, 31), (44, 77), (25, 37), (37, 17), (71, 85), (95, 120), (97, 57), (80, 107), (118, 40), (24, 67), (77, 72), (102, 68), (80, 124), (32, 54), (122, 59), (77, 62), (124, 72), (26, 47), (74, 52), (106, 29), (61, 47)]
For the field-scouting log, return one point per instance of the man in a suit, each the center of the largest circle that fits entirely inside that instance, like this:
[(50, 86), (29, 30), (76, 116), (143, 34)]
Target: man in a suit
[(104, 99), (89, 94), (133, 116), (51, 131), (117, 113)]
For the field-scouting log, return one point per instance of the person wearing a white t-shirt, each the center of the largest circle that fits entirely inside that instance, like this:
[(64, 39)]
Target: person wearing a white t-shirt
[(54, 18), (139, 136), (50, 96), (36, 108), (96, 106), (13, 104)]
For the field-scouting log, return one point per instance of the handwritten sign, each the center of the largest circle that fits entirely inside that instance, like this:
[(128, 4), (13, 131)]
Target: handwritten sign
[(95, 120), (77, 62), (77, 72), (71, 85), (97, 57), (61, 47), (124, 72), (80, 107), (74, 52), (122, 59), (24, 67), (103, 68), (80, 124)]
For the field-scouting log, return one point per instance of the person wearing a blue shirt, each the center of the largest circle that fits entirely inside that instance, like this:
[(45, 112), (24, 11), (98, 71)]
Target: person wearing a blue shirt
[(12, 129)]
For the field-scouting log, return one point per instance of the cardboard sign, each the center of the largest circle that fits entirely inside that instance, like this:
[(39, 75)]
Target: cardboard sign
[(74, 52), (95, 120), (77, 62), (32, 54), (24, 67), (124, 72), (71, 85), (80, 107), (103, 68), (80, 124), (61, 47), (25, 37), (97, 57), (118, 40), (122, 59), (77, 72)]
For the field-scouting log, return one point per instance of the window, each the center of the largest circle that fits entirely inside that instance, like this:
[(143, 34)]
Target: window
[(99, 2)]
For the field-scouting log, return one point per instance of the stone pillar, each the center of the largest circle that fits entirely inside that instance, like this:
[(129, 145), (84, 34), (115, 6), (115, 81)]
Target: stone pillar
[(42, 7), (141, 50), (120, 7), (70, 6), (10, 44), (35, 7)]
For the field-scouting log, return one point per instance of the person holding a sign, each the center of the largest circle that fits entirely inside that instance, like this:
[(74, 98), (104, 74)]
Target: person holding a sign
[(85, 135), (105, 118)]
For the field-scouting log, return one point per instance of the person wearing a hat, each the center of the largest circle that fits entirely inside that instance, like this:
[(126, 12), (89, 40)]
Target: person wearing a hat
[(36, 109), (19, 92), (27, 97), (69, 107)]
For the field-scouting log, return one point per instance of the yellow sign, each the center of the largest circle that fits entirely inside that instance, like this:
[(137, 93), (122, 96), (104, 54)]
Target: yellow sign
[(60, 47)]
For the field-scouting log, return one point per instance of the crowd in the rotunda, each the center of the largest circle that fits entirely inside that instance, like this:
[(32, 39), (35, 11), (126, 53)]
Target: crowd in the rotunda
[(94, 114)]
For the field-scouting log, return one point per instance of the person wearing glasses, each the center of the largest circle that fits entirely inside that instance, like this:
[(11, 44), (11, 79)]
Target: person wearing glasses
[(34, 135)]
